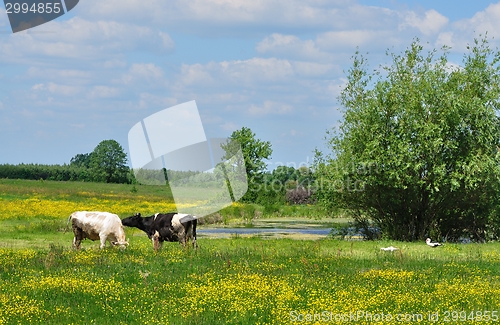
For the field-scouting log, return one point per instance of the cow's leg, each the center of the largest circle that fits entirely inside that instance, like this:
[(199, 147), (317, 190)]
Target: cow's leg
[(182, 240), (193, 240), (102, 239), (78, 237), (190, 234), (156, 241), (76, 243), (182, 234)]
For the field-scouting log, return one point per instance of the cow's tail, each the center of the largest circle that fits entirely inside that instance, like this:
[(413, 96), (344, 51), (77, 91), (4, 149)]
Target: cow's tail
[(67, 223), (194, 220), (195, 245)]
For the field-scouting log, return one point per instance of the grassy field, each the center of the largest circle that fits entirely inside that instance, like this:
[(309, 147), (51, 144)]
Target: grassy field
[(225, 281)]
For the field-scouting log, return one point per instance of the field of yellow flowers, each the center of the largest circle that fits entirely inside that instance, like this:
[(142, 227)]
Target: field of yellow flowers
[(234, 281)]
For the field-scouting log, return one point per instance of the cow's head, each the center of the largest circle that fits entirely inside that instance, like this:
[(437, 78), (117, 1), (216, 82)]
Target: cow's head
[(122, 244), (132, 221)]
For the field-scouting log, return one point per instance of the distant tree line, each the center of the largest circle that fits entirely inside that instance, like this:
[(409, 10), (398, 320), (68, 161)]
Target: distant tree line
[(45, 172), (107, 163)]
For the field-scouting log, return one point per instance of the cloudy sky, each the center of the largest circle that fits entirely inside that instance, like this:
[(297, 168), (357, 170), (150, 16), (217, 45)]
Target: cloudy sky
[(274, 66)]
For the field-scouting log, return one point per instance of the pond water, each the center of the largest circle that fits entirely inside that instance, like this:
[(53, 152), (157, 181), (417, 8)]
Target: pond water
[(283, 227), (267, 232)]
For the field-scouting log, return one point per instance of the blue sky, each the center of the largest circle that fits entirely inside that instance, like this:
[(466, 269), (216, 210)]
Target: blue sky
[(274, 66)]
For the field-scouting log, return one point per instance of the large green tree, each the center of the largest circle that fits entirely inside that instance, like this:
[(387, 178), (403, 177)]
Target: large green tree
[(255, 152), (108, 162), (416, 153)]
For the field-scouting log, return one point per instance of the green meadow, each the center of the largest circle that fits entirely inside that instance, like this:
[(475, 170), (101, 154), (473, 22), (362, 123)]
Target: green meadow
[(238, 280)]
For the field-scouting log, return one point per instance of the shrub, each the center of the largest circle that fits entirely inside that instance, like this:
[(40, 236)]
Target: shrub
[(299, 195)]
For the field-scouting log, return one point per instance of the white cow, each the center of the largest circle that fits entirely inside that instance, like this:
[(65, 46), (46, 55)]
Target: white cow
[(97, 225)]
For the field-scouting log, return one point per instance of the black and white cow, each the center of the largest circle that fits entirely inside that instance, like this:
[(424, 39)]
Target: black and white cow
[(165, 227), (96, 225)]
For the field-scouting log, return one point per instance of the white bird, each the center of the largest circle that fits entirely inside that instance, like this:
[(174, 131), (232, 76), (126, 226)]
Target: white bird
[(431, 244), (389, 249)]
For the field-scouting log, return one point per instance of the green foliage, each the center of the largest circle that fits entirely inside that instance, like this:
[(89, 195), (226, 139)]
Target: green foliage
[(254, 151), (81, 160), (283, 174), (108, 163), (417, 151), (45, 172), (288, 184)]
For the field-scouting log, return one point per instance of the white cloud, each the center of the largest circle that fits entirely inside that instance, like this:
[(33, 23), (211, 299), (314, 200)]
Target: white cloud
[(487, 20), (229, 126), (4, 20), (256, 69), (270, 107), (430, 23), (292, 133), (195, 74), (103, 92), (291, 46), (58, 89), (202, 17), (464, 31), (168, 43), (48, 112), (83, 39), (445, 38), (143, 72), (148, 100), (335, 87), (350, 39), (114, 63), (28, 114), (312, 69), (251, 72), (65, 76)]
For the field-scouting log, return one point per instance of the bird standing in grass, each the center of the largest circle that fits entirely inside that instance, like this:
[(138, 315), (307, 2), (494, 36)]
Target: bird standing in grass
[(389, 249), (431, 244)]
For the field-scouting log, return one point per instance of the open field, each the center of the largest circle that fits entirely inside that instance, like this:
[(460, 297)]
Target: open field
[(225, 281), (250, 281)]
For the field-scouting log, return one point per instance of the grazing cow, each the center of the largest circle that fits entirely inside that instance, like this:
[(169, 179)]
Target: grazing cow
[(97, 225), (165, 227)]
